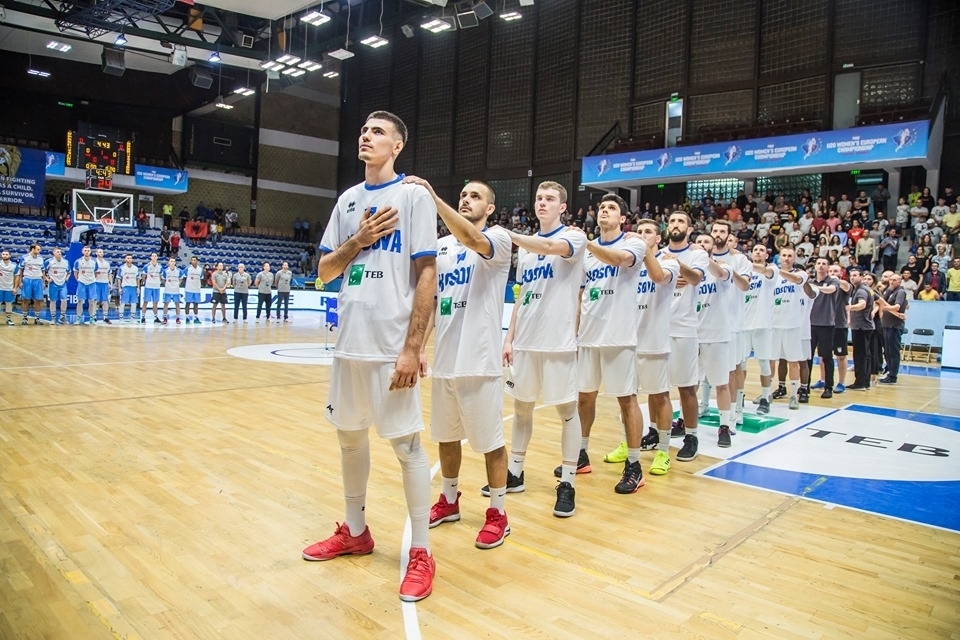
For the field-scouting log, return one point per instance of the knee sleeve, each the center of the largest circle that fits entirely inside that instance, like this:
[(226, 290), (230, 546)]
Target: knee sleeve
[(765, 368), (408, 449), (522, 425)]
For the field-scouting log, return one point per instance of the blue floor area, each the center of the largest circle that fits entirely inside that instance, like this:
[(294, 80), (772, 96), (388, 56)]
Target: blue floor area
[(933, 500)]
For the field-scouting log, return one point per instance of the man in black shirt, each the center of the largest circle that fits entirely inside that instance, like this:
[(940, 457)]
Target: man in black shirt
[(823, 318), (860, 310)]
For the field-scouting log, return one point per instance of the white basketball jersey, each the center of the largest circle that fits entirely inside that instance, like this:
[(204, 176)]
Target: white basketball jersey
[(376, 297), (806, 304), (735, 298), (7, 271), (654, 302), (788, 311), (103, 271), (194, 279), (469, 314), (684, 306), (31, 267), (86, 270), (608, 303), (171, 280), (549, 288), (129, 275), (152, 273), (758, 305), (58, 271), (713, 308)]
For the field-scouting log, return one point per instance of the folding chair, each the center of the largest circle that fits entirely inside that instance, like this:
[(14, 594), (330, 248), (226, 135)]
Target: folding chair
[(331, 321), (926, 340)]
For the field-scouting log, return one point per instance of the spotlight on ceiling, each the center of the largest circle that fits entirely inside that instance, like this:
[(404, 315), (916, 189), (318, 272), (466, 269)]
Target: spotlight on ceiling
[(341, 54), (316, 18), (58, 46), (214, 57), (288, 58), (38, 73), (510, 16), (374, 42), (121, 40), (437, 25), (244, 91)]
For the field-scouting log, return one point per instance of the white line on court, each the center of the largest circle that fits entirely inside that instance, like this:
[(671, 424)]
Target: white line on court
[(411, 623), (106, 364)]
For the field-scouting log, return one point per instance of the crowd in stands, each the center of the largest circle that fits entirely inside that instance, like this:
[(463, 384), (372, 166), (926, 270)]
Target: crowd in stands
[(920, 240)]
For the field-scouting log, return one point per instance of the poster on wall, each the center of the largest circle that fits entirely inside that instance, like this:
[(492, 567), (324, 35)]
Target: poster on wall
[(22, 176), (161, 178)]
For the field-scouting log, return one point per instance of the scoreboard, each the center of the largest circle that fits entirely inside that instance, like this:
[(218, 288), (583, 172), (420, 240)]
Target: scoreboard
[(100, 155)]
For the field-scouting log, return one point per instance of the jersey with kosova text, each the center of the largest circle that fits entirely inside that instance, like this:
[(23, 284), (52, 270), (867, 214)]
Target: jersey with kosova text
[(608, 302), (549, 291), (788, 302), (103, 271), (375, 303), (653, 303), (758, 305), (713, 308), (57, 270), (86, 269), (684, 306), (741, 266), (469, 311), (7, 272), (31, 267)]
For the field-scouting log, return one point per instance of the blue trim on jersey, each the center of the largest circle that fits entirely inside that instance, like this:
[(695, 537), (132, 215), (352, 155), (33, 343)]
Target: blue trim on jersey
[(325, 249), (554, 232), (570, 244), (423, 254), (702, 272), (493, 249), (679, 250), (607, 244), (374, 187)]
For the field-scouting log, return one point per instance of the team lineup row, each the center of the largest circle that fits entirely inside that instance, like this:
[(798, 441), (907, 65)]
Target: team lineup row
[(616, 314), (135, 286)]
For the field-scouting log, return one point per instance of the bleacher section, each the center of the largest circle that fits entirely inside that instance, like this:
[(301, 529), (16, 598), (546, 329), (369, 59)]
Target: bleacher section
[(17, 234)]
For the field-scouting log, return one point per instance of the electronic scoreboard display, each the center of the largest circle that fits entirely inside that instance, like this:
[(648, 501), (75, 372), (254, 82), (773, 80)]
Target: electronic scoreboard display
[(99, 154)]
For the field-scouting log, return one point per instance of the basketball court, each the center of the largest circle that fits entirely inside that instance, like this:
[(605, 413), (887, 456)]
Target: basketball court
[(161, 483)]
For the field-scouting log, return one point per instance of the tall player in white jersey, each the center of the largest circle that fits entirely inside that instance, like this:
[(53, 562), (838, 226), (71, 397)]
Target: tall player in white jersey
[(756, 320), (85, 272), (541, 344), (740, 269), (467, 399), (103, 286), (57, 271), (172, 276), (684, 350), (607, 336), (191, 290), (714, 328), (128, 277), (788, 316), (382, 236), (30, 282), (152, 281)]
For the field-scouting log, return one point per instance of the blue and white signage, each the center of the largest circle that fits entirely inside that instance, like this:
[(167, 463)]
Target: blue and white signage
[(21, 176), (887, 461), (56, 163), (160, 178), (887, 143)]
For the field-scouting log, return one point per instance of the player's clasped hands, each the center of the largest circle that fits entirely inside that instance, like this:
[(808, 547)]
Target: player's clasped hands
[(374, 226)]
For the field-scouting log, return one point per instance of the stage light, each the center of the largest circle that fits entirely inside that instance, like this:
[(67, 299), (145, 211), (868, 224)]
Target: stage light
[(316, 18), (214, 57), (121, 40), (509, 16), (374, 42)]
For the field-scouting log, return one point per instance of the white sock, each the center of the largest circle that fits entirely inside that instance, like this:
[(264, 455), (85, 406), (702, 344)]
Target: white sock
[(664, 444), (794, 388), (416, 486), (450, 489), (765, 393), (726, 417), (355, 470), (740, 398), (570, 432), (498, 498), (515, 465), (692, 432), (584, 443), (705, 389), (568, 472), (633, 455)]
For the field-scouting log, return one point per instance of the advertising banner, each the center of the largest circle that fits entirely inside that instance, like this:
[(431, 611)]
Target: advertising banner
[(22, 176), (160, 178), (56, 163), (893, 143)]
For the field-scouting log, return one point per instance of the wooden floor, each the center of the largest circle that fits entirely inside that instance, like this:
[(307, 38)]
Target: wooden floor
[(155, 487)]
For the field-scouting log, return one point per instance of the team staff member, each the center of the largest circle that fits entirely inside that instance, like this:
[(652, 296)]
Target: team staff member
[(382, 236), (219, 279), (860, 310), (241, 289), (283, 279), (264, 285)]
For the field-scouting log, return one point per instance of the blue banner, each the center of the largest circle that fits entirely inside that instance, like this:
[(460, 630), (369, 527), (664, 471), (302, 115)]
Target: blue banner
[(891, 143), (161, 178), (56, 163), (21, 176)]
